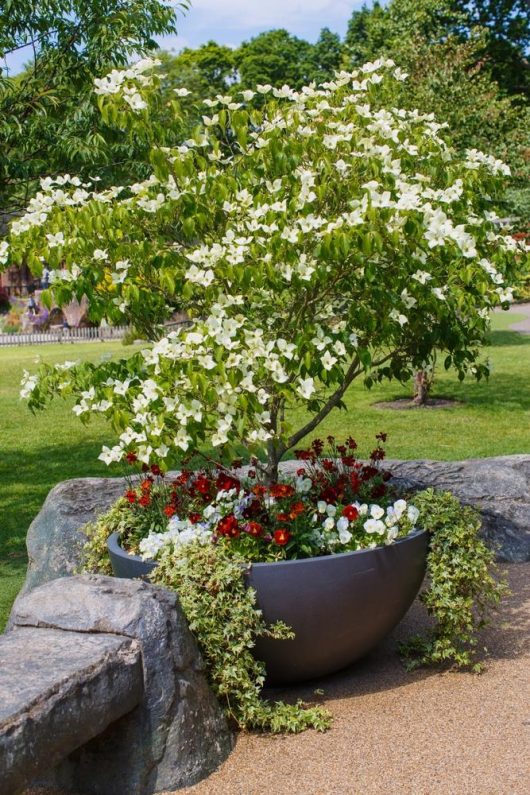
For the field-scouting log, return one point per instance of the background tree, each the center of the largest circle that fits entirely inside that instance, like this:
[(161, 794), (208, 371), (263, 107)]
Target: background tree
[(275, 57), (49, 122)]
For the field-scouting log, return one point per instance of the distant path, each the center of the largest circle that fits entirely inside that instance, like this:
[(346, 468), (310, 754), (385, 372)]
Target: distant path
[(522, 326)]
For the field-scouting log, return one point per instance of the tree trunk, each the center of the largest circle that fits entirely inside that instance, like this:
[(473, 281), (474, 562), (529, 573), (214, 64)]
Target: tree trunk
[(421, 388)]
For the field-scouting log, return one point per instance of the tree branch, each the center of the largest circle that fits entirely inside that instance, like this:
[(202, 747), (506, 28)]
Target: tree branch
[(352, 372)]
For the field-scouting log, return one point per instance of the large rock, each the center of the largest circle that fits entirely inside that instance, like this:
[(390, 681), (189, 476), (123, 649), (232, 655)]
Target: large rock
[(54, 540), (498, 487), (57, 691), (177, 734)]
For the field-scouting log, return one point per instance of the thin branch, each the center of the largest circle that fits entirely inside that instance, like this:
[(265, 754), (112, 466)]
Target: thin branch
[(351, 373)]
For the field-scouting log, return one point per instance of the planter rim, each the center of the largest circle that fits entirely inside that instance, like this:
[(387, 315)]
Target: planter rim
[(113, 541)]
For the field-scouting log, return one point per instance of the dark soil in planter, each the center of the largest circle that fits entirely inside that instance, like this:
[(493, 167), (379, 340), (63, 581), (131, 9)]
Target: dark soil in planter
[(406, 403)]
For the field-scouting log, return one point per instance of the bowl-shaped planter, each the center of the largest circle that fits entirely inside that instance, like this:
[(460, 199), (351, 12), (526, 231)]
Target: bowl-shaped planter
[(339, 606)]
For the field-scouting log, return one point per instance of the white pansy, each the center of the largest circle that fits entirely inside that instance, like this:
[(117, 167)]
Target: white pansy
[(376, 512), (321, 506), (328, 523), (374, 526)]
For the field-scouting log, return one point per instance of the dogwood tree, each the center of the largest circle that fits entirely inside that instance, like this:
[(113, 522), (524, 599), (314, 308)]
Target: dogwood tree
[(316, 237)]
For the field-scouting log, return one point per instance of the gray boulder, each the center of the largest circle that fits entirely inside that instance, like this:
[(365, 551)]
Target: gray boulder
[(177, 734), (48, 679)]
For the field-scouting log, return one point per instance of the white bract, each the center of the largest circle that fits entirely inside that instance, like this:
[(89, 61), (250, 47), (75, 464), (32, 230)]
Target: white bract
[(336, 236)]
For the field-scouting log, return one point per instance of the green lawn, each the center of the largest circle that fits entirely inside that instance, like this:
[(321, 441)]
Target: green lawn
[(39, 451)]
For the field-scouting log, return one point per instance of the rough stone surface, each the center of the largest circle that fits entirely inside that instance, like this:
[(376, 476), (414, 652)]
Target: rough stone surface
[(54, 539), (57, 691), (177, 734), (499, 487)]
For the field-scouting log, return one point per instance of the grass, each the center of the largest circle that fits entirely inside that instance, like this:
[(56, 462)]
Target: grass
[(39, 451)]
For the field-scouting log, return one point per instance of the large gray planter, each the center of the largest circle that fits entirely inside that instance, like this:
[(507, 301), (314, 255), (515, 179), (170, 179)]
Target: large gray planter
[(339, 606)]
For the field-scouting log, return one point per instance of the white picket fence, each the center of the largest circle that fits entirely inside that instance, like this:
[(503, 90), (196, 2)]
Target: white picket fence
[(63, 335)]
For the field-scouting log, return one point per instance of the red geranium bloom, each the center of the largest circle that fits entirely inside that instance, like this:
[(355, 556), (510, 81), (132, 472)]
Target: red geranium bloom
[(259, 491), (281, 536), (227, 482), (202, 484), (280, 490), (145, 500), (350, 512), (194, 518), (170, 510), (254, 529), (130, 496), (297, 509), (146, 484), (155, 469), (283, 517), (131, 458), (228, 526)]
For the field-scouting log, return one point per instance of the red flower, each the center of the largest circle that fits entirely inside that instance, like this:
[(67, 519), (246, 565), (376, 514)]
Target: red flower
[(195, 517), (146, 484), (145, 500), (251, 473), (328, 466), (300, 472), (297, 509), (227, 482), (202, 484), (350, 512), (379, 490), (281, 536), (352, 444), (130, 496), (283, 517), (254, 529), (259, 491), (131, 458), (280, 490), (381, 436), (228, 526), (355, 482), (170, 510), (348, 460), (155, 469)]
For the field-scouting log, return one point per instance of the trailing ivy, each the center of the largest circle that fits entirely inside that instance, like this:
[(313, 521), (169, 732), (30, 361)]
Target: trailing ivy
[(462, 584), (223, 616)]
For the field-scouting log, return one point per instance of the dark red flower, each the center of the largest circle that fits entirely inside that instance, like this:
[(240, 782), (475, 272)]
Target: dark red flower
[(297, 509), (304, 455), (228, 526), (328, 465), (379, 490), (195, 517), (254, 529), (145, 468), (300, 472), (355, 482), (281, 490), (145, 500), (352, 444), (348, 460), (227, 482), (381, 436), (130, 496), (259, 491), (281, 536), (251, 473), (282, 517), (368, 472), (378, 454), (170, 510), (146, 484), (155, 469), (350, 512), (131, 458)]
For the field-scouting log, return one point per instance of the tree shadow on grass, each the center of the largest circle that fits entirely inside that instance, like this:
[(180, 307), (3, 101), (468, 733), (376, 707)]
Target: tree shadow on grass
[(507, 338)]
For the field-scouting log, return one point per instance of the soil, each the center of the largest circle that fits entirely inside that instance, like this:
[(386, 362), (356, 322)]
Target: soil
[(406, 403)]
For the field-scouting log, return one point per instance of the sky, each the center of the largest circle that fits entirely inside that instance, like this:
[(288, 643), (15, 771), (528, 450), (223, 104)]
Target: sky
[(232, 21)]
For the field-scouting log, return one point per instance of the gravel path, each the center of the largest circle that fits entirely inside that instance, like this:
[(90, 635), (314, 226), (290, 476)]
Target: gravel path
[(399, 733), (523, 326)]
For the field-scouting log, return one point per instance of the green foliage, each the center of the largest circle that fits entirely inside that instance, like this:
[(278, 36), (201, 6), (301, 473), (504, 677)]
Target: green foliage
[(222, 614), (49, 122), (463, 588)]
